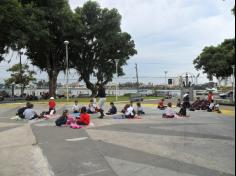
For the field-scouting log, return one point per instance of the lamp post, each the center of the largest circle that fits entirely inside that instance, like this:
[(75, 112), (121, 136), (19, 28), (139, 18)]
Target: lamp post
[(166, 77), (67, 70), (21, 79), (117, 62), (233, 67)]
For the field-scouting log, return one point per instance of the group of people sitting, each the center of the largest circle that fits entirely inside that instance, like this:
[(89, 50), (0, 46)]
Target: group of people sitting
[(29, 113), (205, 104)]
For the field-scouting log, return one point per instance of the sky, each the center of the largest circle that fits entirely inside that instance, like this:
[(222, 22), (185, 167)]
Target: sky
[(169, 34)]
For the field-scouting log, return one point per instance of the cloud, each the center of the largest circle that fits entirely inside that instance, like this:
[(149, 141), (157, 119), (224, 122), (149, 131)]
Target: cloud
[(171, 33)]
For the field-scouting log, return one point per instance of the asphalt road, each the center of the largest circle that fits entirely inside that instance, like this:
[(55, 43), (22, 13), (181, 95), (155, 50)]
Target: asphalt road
[(202, 145)]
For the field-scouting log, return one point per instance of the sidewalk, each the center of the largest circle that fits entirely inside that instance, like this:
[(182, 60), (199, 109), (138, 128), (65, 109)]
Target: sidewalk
[(20, 156)]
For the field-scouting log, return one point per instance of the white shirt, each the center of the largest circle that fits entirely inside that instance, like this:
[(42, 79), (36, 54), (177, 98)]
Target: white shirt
[(130, 111), (170, 111), (76, 108), (29, 114), (211, 105)]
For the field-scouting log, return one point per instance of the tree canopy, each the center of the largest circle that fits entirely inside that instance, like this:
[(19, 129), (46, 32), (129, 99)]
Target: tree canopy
[(42, 26), (217, 61), (12, 23), (21, 75), (97, 43)]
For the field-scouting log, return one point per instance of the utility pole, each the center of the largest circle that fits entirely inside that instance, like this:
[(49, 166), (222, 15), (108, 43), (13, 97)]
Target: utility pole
[(136, 68), (233, 67), (21, 79)]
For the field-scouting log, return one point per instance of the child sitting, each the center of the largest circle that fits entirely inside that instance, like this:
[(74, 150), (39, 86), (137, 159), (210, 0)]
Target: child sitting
[(182, 112), (21, 111), (178, 103), (161, 105), (29, 113), (170, 113), (76, 108), (129, 112), (211, 107), (140, 110), (52, 106), (112, 110), (92, 106), (63, 119), (84, 117)]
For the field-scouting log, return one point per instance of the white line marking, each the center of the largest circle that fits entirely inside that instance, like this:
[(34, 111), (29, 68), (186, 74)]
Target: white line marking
[(76, 139), (95, 172)]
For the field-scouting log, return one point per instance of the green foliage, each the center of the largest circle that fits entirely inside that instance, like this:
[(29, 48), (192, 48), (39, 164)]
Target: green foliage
[(21, 78), (97, 42), (217, 61), (50, 23), (11, 26)]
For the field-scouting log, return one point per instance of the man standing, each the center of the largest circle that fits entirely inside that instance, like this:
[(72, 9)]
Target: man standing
[(210, 97), (102, 100)]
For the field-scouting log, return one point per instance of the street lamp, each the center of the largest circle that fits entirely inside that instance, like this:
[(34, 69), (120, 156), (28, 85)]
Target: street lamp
[(166, 77), (67, 70), (117, 62), (233, 67), (21, 77)]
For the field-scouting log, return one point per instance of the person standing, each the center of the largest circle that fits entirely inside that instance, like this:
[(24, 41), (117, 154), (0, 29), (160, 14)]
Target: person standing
[(210, 97), (102, 100)]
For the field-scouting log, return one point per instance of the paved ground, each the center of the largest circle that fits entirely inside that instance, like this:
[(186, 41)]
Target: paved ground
[(202, 145)]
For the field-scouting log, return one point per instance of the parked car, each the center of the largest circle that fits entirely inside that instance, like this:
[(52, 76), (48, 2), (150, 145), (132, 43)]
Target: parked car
[(226, 95), (136, 97)]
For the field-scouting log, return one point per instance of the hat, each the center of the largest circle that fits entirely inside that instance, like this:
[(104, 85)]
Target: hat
[(52, 98)]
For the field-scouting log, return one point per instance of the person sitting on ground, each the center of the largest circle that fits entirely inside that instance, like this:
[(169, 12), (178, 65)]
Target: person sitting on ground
[(129, 112), (217, 108), (140, 110), (52, 106), (30, 113), (112, 110), (161, 105), (91, 107), (204, 104), (21, 111), (170, 113), (63, 119), (196, 105), (211, 107), (178, 103), (84, 117), (182, 112), (76, 107)]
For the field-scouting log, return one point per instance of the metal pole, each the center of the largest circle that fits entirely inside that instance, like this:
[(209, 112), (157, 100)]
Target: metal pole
[(166, 77), (136, 68), (233, 83), (67, 71), (117, 80), (21, 84)]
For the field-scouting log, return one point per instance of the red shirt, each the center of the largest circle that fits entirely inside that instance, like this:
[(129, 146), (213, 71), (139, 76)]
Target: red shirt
[(52, 104), (161, 104), (84, 118), (210, 97)]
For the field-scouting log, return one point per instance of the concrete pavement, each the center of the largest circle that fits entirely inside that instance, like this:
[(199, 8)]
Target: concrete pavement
[(202, 145)]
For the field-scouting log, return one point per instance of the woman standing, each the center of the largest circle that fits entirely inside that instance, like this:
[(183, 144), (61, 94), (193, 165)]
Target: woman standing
[(102, 100)]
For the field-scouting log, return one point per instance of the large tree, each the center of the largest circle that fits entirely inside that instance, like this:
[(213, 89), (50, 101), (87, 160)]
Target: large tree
[(12, 25), (20, 75), (217, 61), (98, 41), (50, 23)]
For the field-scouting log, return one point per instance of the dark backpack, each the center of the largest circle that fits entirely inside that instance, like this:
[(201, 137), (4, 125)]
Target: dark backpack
[(61, 121), (20, 112)]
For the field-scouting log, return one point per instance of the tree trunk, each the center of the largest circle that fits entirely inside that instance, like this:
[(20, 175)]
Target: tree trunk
[(91, 87), (52, 83)]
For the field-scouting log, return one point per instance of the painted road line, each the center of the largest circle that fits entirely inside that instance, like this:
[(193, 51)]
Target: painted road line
[(76, 139)]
